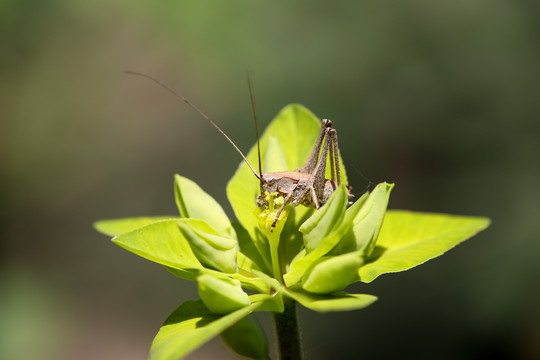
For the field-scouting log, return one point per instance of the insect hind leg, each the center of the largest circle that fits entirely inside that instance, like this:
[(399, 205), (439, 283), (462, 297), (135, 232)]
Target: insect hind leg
[(311, 161), (334, 157)]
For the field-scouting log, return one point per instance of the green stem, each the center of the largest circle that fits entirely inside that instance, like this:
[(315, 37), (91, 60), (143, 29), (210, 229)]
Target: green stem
[(273, 239), (288, 332)]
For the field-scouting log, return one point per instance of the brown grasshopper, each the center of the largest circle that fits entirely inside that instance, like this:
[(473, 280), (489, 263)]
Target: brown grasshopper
[(305, 186)]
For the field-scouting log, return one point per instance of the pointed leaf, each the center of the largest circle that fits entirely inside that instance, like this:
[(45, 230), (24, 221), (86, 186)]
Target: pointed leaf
[(119, 226), (190, 326), (408, 239), (162, 242), (193, 202)]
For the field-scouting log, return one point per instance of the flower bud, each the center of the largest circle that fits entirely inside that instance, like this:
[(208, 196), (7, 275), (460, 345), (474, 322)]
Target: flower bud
[(213, 251), (332, 273), (221, 295), (370, 219), (367, 222)]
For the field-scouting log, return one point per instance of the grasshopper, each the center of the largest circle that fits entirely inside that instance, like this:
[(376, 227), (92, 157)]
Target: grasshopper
[(304, 186)]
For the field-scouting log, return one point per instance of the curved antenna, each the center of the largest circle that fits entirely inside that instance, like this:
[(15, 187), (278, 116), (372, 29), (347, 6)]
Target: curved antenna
[(253, 107), (370, 183), (184, 99)]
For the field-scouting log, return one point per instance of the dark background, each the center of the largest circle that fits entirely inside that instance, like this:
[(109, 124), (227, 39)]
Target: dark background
[(441, 98)]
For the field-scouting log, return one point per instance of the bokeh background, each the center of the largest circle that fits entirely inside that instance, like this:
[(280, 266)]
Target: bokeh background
[(440, 97)]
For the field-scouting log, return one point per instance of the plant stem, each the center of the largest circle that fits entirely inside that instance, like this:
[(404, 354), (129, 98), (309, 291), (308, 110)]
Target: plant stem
[(288, 332), (274, 255)]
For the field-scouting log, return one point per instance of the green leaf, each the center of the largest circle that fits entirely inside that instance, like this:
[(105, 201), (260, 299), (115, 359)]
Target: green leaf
[(247, 338), (195, 203), (119, 226), (338, 301), (190, 326), (295, 129), (274, 158), (161, 242), (408, 239), (212, 250)]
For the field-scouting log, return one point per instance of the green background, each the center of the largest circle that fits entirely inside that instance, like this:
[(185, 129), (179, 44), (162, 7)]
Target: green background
[(441, 98)]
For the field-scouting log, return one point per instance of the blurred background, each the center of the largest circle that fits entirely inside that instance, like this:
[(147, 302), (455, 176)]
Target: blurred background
[(441, 98)]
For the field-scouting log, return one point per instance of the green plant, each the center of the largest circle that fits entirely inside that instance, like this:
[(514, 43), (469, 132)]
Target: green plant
[(310, 257)]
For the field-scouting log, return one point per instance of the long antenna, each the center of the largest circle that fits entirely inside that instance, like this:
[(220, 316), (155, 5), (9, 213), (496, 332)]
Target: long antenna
[(253, 107), (184, 99)]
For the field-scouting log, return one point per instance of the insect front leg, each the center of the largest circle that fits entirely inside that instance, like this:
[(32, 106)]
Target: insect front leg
[(285, 202), (288, 188)]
